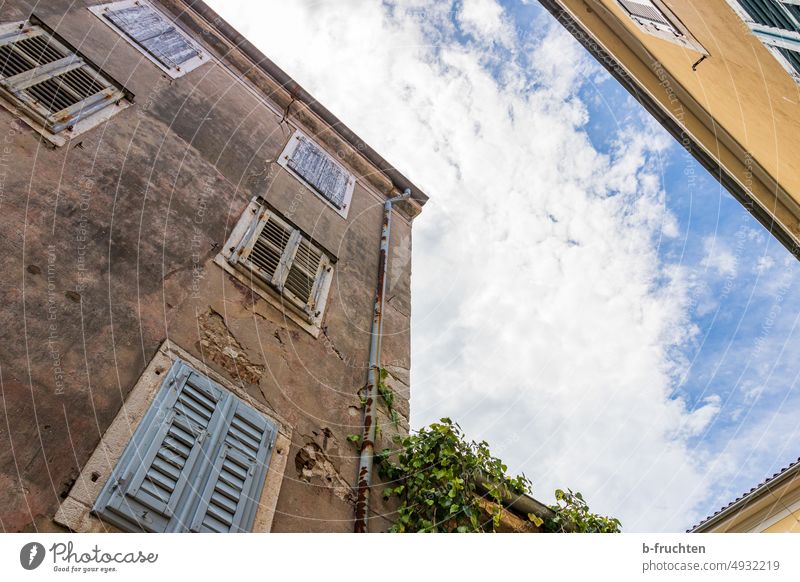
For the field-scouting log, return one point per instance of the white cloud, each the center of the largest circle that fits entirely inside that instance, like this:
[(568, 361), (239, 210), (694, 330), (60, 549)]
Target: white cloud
[(719, 257), (543, 319), (486, 21)]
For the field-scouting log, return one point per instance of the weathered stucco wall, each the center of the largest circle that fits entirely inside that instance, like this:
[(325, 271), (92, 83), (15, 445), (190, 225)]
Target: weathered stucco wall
[(107, 250)]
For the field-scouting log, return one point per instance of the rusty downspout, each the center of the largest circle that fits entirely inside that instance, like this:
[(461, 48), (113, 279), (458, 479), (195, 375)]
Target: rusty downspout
[(364, 478)]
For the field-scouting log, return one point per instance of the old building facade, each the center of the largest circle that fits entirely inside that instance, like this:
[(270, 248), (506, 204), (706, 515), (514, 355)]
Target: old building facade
[(190, 257)]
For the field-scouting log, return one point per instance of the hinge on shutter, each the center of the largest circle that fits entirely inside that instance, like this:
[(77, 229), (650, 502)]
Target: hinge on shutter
[(120, 481)]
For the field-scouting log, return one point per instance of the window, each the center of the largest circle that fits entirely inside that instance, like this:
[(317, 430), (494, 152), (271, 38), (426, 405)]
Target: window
[(196, 462), (319, 171), (272, 252), (50, 82), (153, 34), (777, 25), (648, 13), (654, 17)]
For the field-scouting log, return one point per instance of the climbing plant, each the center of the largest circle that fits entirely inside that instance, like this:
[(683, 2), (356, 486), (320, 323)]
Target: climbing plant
[(571, 514), (445, 483)]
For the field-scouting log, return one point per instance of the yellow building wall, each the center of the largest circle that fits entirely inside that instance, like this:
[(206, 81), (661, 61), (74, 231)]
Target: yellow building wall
[(789, 524)]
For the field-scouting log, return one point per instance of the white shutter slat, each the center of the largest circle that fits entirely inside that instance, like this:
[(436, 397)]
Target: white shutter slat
[(317, 168), (645, 9), (268, 248), (170, 48), (304, 274), (154, 33)]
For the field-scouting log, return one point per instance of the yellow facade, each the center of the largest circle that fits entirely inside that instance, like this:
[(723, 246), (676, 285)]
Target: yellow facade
[(717, 89)]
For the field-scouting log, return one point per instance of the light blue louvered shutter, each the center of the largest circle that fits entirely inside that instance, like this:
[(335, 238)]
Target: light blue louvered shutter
[(152, 487), (233, 488), (322, 173), (154, 33)]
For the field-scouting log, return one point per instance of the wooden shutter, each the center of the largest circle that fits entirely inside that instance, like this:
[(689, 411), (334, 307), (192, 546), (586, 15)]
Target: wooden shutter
[(281, 256), (268, 248), (305, 276), (317, 168), (153, 479), (199, 456), (154, 33), (646, 10), (769, 13), (229, 501), (55, 85)]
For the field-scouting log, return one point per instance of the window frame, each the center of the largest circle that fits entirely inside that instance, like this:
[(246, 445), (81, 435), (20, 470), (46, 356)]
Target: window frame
[(678, 34), (233, 259), (59, 126), (174, 72), (284, 161), (75, 511)]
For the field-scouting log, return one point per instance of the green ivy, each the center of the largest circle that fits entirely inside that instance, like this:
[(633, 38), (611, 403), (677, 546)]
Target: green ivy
[(572, 515), (443, 483)]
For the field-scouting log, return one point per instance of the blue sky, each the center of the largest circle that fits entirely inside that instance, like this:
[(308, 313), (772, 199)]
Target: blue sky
[(585, 296), (735, 263)]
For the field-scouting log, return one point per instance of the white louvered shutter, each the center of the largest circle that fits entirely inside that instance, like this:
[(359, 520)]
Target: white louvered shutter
[(317, 168), (56, 86), (305, 276), (647, 11), (269, 248), (229, 500), (285, 259), (154, 32)]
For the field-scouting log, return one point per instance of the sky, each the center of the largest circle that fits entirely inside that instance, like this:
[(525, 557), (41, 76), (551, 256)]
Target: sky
[(585, 296)]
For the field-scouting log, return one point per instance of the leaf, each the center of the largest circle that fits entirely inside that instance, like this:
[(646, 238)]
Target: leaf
[(537, 521)]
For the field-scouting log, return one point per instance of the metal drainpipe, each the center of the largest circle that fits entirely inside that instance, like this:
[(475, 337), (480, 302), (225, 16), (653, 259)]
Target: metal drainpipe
[(371, 396)]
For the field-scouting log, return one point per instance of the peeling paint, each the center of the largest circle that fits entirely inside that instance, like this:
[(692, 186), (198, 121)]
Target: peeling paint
[(219, 345)]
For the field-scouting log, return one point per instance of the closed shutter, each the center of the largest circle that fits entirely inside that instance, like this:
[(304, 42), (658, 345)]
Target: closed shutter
[(56, 86), (195, 439), (322, 173), (154, 33), (150, 481), (230, 498)]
